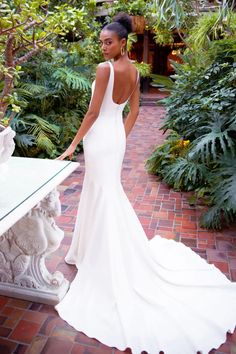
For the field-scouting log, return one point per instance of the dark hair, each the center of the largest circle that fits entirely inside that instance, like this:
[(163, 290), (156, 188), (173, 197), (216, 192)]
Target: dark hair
[(121, 24)]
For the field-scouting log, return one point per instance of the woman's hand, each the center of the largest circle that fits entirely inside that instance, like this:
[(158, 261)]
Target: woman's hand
[(69, 152)]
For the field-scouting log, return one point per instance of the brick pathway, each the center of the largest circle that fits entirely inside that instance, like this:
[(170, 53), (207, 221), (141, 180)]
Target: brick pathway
[(33, 328)]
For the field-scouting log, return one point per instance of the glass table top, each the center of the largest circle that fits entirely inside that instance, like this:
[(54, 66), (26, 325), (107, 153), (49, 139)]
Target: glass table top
[(20, 178)]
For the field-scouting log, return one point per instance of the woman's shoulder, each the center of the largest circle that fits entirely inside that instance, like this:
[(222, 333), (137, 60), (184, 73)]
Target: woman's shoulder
[(103, 68), (103, 71), (135, 69), (134, 66), (103, 64)]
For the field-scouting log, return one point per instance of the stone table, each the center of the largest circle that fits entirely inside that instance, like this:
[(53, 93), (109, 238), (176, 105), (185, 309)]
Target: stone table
[(29, 201)]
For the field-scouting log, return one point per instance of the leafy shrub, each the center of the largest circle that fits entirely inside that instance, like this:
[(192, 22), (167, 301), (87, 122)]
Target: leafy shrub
[(143, 68), (35, 136), (132, 7), (54, 93), (201, 110), (210, 27), (197, 94)]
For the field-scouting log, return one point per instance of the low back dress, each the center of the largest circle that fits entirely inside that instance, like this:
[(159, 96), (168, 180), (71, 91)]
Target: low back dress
[(130, 292)]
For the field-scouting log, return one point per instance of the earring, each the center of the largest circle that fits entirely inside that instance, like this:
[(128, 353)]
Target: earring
[(122, 51)]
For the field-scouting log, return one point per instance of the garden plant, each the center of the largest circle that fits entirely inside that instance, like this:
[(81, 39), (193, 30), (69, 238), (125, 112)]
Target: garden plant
[(199, 153)]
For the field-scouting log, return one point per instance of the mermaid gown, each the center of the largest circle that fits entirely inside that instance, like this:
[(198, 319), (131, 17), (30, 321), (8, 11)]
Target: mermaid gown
[(131, 292)]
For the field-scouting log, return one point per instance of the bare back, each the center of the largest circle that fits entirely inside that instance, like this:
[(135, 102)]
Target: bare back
[(125, 80)]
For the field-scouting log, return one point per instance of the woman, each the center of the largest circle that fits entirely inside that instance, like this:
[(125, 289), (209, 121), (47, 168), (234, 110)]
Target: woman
[(130, 292)]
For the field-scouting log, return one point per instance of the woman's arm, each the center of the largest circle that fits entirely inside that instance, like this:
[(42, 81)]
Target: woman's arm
[(102, 78), (134, 110)]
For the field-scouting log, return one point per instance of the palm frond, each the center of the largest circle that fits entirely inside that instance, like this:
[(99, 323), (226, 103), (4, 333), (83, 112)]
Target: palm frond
[(23, 92), (24, 140), (163, 81), (71, 78), (45, 143), (132, 38), (19, 125), (32, 89)]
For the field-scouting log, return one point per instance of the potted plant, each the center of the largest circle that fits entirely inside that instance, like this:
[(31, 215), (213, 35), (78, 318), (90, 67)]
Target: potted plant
[(138, 23), (137, 10)]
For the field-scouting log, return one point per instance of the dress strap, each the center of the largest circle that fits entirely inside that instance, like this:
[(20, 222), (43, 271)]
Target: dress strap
[(112, 75), (137, 79), (111, 78)]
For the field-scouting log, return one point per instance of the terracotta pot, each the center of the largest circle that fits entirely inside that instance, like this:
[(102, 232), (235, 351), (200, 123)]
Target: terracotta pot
[(138, 23), (7, 144)]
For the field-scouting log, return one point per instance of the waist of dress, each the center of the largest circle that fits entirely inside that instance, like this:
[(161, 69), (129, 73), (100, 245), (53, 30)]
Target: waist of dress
[(106, 125)]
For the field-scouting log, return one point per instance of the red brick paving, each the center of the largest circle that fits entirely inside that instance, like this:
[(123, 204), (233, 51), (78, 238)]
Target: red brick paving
[(33, 328)]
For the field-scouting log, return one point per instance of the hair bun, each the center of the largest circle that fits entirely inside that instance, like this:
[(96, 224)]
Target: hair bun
[(124, 19)]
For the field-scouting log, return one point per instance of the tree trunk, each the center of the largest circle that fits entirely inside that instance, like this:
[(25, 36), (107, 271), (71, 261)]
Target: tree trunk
[(8, 76)]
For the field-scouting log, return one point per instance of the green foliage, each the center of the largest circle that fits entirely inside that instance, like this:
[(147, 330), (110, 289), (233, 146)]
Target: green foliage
[(185, 174), (201, 110), (132, 38), (137, 7), (209, 28), (89, 48), (215, 138), (168, 15), (199, 93), (55, 87), (29, 27), (165, 154), (69, 78), (171, 12), (162, 35), (172, 163), (132, 7), (39, 15), (162, 16), (163, 81), (222, 193), (143, 68), (34, 136)]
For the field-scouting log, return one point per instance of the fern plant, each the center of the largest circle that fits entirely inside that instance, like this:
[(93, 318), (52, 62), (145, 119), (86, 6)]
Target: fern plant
[(55, 89), (35, 136)]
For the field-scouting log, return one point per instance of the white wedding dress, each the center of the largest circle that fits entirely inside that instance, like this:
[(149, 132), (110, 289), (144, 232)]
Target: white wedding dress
[(131, 292)]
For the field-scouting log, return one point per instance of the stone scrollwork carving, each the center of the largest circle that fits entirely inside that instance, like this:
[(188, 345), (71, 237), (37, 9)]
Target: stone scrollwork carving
[(22, 254), (7, 144)]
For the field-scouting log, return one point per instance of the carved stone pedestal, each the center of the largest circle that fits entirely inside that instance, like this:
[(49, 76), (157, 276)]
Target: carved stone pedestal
[(23, 248)]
